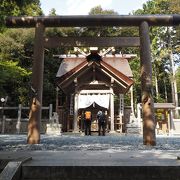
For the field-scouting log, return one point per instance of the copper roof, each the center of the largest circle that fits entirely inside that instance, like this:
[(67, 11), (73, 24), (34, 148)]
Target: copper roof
[(125, 80), (116, 68), (120, 64), (68, 64)]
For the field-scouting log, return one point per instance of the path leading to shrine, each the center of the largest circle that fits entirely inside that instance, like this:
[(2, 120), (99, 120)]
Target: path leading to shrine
[(79, 142)]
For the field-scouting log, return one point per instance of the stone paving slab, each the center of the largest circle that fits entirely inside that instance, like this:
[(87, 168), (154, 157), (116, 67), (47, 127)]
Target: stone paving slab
[(96, 158)]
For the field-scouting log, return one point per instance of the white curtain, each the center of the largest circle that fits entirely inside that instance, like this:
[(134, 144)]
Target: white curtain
[(85, 100)]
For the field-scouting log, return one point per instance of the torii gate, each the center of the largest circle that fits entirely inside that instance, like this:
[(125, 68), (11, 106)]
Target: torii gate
[(142, 21)]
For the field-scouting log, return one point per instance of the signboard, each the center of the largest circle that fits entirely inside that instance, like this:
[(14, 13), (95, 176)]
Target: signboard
[(121, 104)]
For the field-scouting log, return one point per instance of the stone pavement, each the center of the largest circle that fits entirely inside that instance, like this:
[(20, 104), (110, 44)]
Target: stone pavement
[(78, 157), (96, 158), (98, 164)]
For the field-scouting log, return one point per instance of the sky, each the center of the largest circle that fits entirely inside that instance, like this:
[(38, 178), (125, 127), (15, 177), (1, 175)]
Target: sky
[(82, 7)]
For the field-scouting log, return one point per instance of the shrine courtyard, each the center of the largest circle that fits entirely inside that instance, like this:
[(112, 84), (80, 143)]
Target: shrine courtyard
[(90, 157)]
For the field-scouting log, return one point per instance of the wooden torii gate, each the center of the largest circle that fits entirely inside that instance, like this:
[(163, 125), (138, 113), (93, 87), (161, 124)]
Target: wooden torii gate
[(142, 21)]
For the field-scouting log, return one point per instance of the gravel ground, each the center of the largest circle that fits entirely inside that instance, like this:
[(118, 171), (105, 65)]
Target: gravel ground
[(84, 143)]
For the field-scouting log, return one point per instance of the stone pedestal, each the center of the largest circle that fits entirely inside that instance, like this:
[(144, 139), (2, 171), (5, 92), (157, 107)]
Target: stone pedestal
[(133, 126), (54, 128)]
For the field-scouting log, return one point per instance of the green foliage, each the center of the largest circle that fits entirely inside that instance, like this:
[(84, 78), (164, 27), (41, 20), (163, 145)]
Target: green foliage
[(16, 50), (135, 66), (100, 31), (9, 69), (18, 8), (161, 115), (52, 12), (178, 79), (99, 11), (164, 42), (14, 68)]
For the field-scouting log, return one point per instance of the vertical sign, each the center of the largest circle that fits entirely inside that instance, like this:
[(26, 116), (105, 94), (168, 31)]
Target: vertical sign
[(71, 105), (121, 104)]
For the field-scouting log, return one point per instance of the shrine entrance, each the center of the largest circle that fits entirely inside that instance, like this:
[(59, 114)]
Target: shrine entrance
[(143, 22), (92, 82)]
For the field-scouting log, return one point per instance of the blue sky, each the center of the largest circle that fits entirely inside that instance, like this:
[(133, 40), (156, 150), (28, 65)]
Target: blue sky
[(82, 7)]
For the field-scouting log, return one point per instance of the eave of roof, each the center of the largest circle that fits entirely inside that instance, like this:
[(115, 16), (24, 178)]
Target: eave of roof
[(70, 73), (126, 80), (119, 77)]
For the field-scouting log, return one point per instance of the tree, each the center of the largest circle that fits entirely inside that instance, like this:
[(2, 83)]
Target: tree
[(18, 8), (15, 60), (99, 31), (52, 12), (163, 40), (16, 51), (178, 79)]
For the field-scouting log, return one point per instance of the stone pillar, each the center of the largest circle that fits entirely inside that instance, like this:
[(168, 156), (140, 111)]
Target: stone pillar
[(132, 102), (37, 86), (149, 137), (171, 123), (112, 110), (75, 128), (57, 99), (50, 111), (18, 124), (3, 124), (139, 116)]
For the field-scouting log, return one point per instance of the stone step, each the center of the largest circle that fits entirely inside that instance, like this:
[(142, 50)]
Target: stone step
[(100, 173), (98, 165)]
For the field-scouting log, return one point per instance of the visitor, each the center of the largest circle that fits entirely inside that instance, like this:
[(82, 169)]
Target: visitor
[(101, 122), (87, 122)]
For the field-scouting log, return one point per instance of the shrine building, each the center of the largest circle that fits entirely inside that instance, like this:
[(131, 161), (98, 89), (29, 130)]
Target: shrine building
[(92, 83)]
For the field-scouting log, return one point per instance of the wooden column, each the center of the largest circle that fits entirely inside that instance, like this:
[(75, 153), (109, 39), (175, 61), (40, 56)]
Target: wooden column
[(112, 110), (75, 129), (37, 86), (121, 109), (149, 137)]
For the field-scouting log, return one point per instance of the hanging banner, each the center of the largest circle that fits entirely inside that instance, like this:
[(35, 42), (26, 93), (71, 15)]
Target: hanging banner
[(86, 100)]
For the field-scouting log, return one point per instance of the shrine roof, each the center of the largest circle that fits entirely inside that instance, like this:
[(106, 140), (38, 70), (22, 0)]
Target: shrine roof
[(119, 63), (104, 70)]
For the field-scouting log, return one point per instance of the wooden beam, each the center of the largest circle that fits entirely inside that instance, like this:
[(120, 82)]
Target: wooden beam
[(55, 42), (93, 20)]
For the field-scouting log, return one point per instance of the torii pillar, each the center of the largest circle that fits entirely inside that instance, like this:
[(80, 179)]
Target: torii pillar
[(37, 86), (149, 137)]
